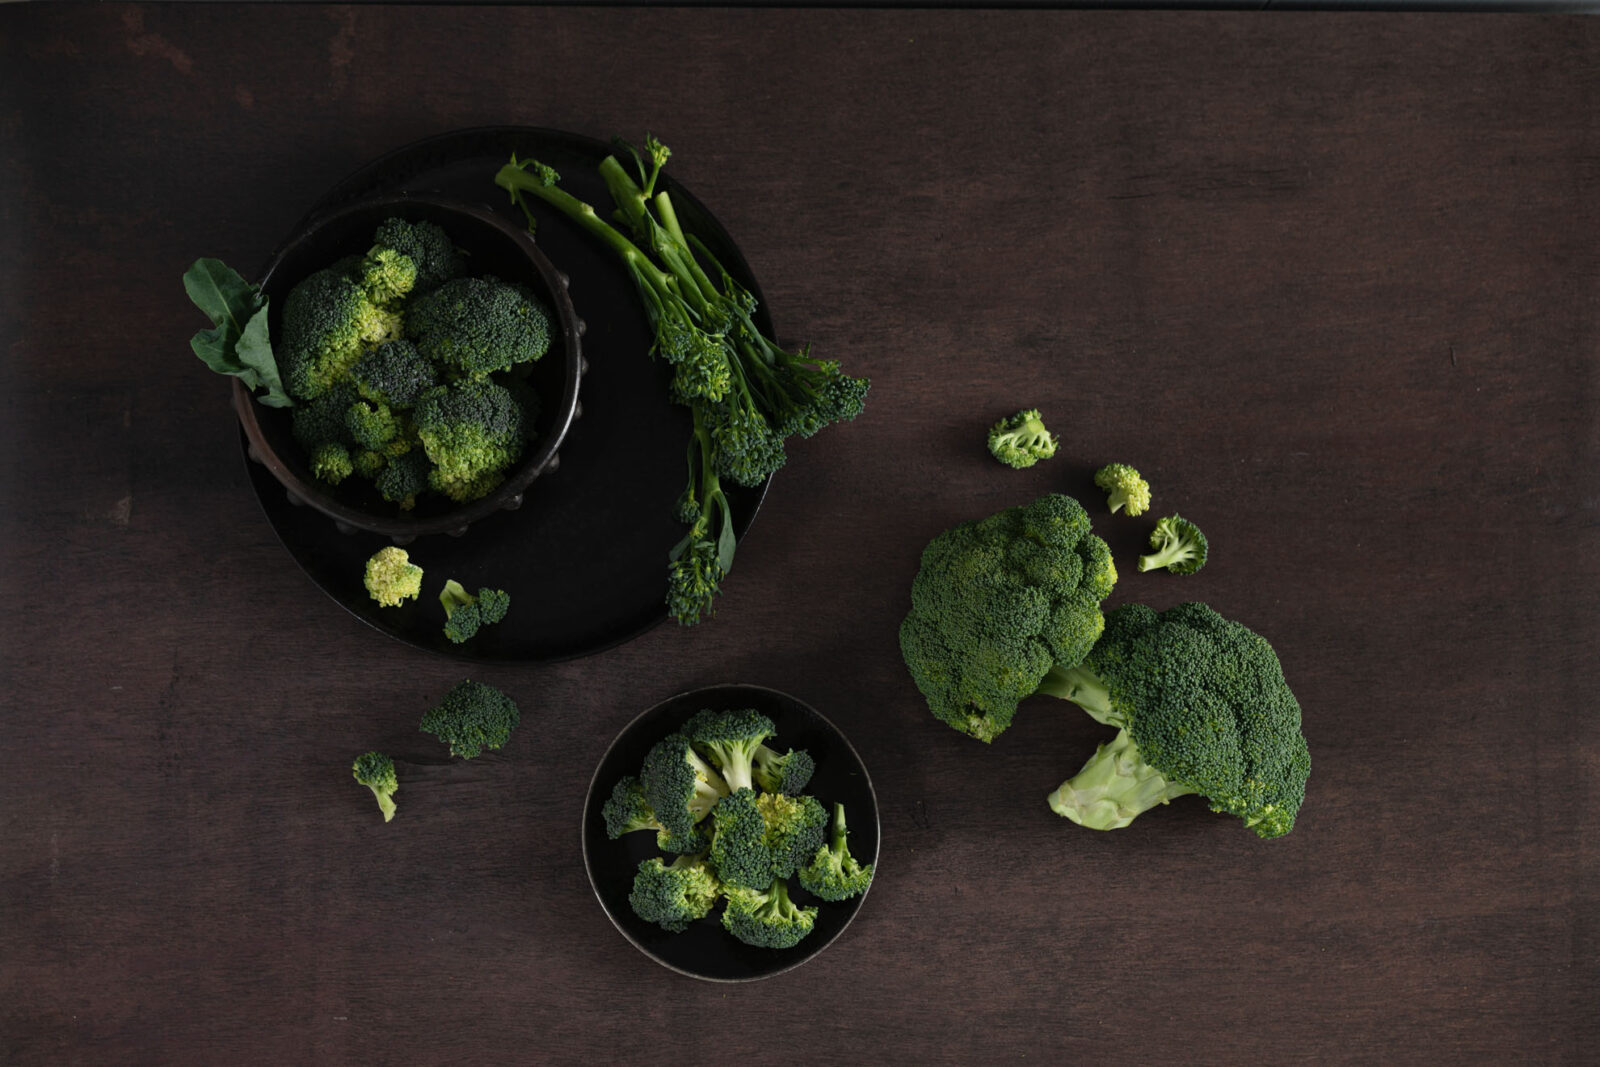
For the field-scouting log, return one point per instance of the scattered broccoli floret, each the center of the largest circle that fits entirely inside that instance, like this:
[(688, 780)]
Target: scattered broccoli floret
[(465, 613), (766, 918), (472, 717), (479, 325), (427, 246), (1200, 705), (999, 602), (834, 874), (394, 373), (786, 772), (1021, 440), (676, 894), (472, 432), (1179, 546), (327, 319), (627, 811), (376, 771), (730, 740), (1125, 490), (391, 576), (795, 830), (681, 787)]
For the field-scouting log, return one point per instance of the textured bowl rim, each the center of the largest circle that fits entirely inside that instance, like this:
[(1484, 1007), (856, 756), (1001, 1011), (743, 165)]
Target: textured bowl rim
[(510, 492)]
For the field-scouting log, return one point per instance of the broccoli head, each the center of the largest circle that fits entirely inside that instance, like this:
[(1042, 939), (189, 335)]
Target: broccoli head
[(472, 432), (681, 787), (429, 248), (999, 602), (1201, 706), (472, 717), (394, 373), (403, 477), (479, 325), (672, 895), (321, 421), (391, 576), (1021, 440), (1125, 490), (332, 463), (387, 276), (834, 874), (795, 827), (730, 740), (1178, 546), (376, 771), (782, 772), (373, 426), (740, 851), (766, 918), (327, 323), (465, 613)]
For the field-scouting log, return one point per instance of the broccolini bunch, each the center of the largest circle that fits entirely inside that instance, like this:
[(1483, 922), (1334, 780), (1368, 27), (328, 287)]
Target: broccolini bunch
[(747, 394), (389, 358), (730, 806)]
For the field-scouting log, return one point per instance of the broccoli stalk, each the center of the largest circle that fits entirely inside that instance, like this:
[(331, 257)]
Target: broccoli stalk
[(747, 393), (1113, 787)]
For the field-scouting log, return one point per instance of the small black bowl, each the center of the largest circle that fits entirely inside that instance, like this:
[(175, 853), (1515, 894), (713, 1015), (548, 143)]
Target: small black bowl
[(705, 950), (493, 246)]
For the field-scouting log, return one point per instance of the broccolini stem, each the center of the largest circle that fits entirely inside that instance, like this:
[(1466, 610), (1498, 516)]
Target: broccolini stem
[(1081, 686), (1114, 787), (839, 835)]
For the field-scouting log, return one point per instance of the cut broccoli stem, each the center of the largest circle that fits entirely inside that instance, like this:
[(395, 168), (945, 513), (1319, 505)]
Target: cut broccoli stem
[(1114, 787), (1081, 686)]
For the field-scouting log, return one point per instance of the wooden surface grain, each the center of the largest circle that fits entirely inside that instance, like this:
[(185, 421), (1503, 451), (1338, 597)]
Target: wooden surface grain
[(1330, 281)]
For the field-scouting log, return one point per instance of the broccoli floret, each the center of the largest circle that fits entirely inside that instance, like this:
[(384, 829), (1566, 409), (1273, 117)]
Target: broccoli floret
[(387, 276), (786, 772), (479, 325), (426, 245), (681, 787), (740, 849), (1125, 490), (472, 717), (472, 432), (1179, 546), (1201, 706), (834, 874), (795, 830), (394, 373), (391, 576), (676, 894), (766, 918), (1021, 440), (730, 740), (627, 811), (332, 463), (376, 771), (999, 602), (465, 613), (327, 321), (372, 426), (403, 478), (321, 421)]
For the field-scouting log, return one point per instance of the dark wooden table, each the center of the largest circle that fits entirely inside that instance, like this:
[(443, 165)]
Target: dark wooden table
[(1330, 281)]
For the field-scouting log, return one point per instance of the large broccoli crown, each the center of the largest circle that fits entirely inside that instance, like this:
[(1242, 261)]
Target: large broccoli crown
[(767, 918), (472, 432), (1205, 701), (472, 717), (479, 325), (1000, 601), (428, 247), (676, 894), (730, 740)]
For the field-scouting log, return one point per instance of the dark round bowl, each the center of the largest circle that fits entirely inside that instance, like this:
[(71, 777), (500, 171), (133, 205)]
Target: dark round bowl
[(705, 950), (493, 246)]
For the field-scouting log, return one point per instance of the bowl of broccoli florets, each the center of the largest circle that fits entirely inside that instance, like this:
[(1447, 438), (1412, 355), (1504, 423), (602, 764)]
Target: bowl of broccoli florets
[(432, 355)]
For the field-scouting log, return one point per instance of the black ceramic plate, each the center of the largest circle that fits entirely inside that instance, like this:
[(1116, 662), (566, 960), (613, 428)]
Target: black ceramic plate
[(705, 949), (585, 557)]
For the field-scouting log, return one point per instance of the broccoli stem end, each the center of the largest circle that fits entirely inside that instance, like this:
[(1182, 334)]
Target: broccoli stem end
[(1114, 787)]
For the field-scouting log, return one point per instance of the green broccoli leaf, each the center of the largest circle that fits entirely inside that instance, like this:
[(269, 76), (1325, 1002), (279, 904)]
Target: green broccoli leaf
[(238, 343)]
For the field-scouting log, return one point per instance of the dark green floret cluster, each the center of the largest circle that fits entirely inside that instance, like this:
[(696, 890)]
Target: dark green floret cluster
[(465, 613), (389, 355), (704, 791), (472, 716), (747, 394)]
